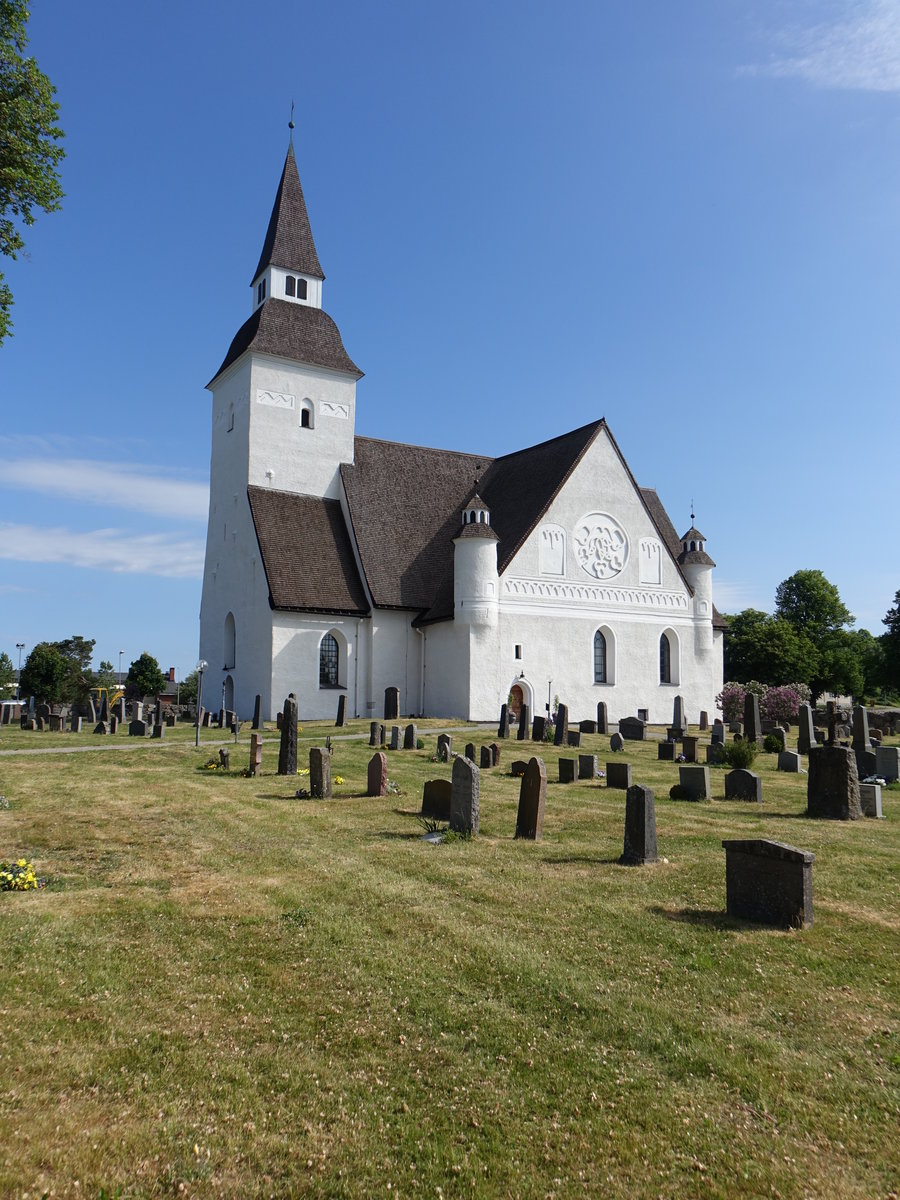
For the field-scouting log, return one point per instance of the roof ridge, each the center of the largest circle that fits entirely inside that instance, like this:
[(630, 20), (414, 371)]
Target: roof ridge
[(360, 437), (549, 442)]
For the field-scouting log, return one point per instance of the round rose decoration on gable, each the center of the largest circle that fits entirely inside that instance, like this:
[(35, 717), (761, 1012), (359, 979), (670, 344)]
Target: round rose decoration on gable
[(601, 545)]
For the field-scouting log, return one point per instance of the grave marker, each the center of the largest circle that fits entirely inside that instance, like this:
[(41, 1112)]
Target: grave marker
[(640, 827), (319, 773), (464, 798), (287, 752), (377, 776), (532, 801), (769, 882), (618, 775)]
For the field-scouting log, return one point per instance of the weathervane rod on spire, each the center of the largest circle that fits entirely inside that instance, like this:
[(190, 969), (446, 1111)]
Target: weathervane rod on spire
[(291, 126)]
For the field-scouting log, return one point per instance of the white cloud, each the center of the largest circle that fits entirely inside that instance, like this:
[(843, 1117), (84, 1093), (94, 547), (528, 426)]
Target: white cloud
[(104, 550), (861, 50), (140, 489), (735, 597)]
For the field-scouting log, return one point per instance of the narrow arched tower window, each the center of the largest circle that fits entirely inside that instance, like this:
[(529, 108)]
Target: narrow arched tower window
[(304, 419), (290, 285), (328, 661), (599, 658), (665, 660)]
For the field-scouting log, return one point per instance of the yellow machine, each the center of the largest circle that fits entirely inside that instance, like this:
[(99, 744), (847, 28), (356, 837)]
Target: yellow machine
[(98, 695)]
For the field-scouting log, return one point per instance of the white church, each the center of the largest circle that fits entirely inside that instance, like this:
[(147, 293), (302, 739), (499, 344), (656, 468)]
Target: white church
[(343, 565)]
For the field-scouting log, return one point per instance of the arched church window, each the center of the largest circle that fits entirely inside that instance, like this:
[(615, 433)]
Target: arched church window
[(665, 660), (304, 419), (328, 661), (599, 658), (230, 642), (301, 289), (290, 285)]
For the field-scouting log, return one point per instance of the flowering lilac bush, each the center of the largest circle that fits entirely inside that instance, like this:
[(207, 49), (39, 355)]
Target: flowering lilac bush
[(781, 703), (730, 701)]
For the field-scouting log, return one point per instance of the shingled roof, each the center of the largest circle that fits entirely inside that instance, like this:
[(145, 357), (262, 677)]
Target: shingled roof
[(289, 240), (298, 332), (306, 553)]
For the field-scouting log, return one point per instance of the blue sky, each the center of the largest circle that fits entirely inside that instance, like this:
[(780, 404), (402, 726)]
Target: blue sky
[(682, 217)]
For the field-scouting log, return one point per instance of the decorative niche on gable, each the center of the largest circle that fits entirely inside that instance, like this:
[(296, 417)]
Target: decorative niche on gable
[(601, 545), (552, 550), (650, 561)]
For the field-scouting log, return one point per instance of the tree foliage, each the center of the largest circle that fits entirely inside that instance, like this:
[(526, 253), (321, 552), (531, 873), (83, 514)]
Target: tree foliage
[(44, 673), (811, 605), (890, 647), (187, 689), (7, 675), (769, 649), (145, 677), (29, 142)]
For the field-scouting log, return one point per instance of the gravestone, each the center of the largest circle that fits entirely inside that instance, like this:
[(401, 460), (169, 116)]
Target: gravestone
[(319, 773), (778, 732), (503, 727), (43, 711), (101, 727), (464, 806), (689, 748), (704, 720), (376, 775), (538, 729), (522, 731), (255, 754), (574, 738), (120, 709), (790, 761), (518, 768), (41, 724), (391, 703), (57, 723), (495, 755), (410, 738), (561, 732), (257, 705), (532, 801), (444, 747), (486, 761), (769, 882), (715, 752), (376, 733), (870, 800), (587, 766), (717, 735), (695, 781), (136, 728), (568, 770), (341, 718), (224, 758), (860, 728), (665, 751), (832, 788), (735, 727), (113, 723), (678, 719), (436, 797), (587, 727), (640, 827), (287, 751), (618, 775), (633, 729), (159, 731), (470, 751), (752, 727), (207, 719), (743, 785), (887, 763), (616, 742), (77, 724), (396, 734), (602, 719)]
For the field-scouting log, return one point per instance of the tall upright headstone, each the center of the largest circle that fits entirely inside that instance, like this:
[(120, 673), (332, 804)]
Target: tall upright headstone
[(410, 737), (341, 718), (287, 753), (503, 727), (860, 729), (464, 797), (752, 727), (538, 729), (602, 717), (524, 719), (832, 787), (640, 827), (806, 732), (257, 703), (678, 721), (255, 754), (532, 800), (561, 733), (396, 737), (319, 773), (704, 720), (391, 703), (376, 775)]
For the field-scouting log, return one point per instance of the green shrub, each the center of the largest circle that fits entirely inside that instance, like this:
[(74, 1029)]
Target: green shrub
[(740, 754), (771, 744)]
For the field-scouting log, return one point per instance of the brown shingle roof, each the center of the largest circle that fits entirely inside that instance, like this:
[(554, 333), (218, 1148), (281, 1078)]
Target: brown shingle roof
[(306, 553), (289, 240), (299, 332)]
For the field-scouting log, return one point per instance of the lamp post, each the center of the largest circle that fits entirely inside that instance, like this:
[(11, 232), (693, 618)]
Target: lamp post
[(121, 652), (201, 667), (20, 646)]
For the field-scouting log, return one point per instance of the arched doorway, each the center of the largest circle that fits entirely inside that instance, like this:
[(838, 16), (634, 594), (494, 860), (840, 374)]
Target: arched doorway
[(516, 700)]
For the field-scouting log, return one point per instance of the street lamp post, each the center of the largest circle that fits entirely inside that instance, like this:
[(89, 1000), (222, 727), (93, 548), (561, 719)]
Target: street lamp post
[(121, 652), (20, 646), (201, 667)]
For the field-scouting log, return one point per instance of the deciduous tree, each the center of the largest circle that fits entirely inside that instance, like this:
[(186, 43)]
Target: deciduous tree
[(145, 677)]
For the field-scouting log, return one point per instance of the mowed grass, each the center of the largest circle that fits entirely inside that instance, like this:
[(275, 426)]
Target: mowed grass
[(225, 990)]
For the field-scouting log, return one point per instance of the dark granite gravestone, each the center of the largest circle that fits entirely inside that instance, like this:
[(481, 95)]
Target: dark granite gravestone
[(470, 751), (832, 788), (602, 719), (43, 712), (376, 733), (887, 763), (136, 729), (752, 728), (518, 768), (103, 727), (689, 748), (665, 751), (561, 730), (532, 801), (341, 718), (715, 752), (695, 782), (257, 704), (632, 729), (319, 773), (287, 752), (769, 882), (704, 720), (224, 758), (207, 719), (376, 775), (464, 804), (587, 766), (119, 707), (391, 703), (870, 800), (860, 728), (396, 736), (568, 770), (587, 727), (522, 731), (444, 747), (29, 723), (58, 723), (410, 738), (495, 754), (789, 761), (678, 718), (618, 775), (717, 735), (640, 827), (777, 732), (255, 754), (866, 763), (538, 729), (159, 731), (486, 761), (574, 738), (743, 785), (616, 742), (77, 723), (436, 796), (171, 720), (503, 727), (41, 724)]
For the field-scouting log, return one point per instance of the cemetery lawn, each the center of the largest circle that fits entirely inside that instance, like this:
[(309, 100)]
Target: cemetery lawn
[(227, 991)]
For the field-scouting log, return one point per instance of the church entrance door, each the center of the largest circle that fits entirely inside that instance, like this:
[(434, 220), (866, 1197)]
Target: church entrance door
[(516, 700)]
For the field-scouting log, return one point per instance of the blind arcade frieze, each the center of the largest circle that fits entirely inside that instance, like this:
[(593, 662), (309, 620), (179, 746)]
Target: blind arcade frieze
[(590, 594)]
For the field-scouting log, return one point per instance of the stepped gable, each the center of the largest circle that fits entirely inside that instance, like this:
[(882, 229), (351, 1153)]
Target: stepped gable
[(299, 332), (306, 553)]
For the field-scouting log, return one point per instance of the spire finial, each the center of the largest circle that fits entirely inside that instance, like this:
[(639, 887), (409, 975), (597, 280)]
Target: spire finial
[(692, 510), (291, 125)]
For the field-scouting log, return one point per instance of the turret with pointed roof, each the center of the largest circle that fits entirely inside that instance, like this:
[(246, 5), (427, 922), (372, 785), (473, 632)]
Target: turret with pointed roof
[(289, 240)]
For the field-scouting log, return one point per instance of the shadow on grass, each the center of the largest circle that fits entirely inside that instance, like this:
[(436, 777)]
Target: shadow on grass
[(590, 860), (785, 816), (713, 918), (391, 835)]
